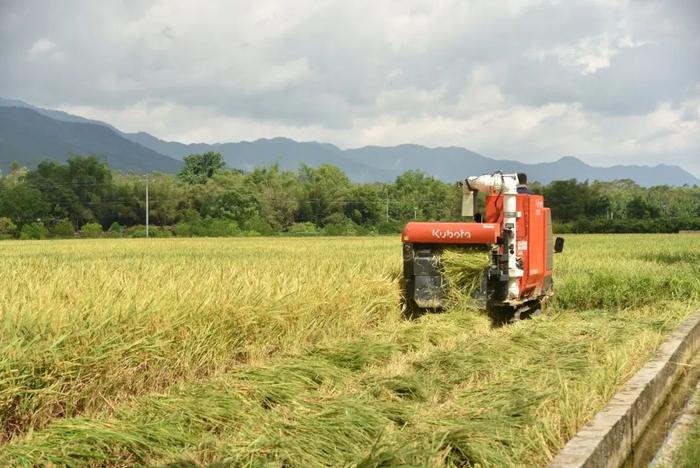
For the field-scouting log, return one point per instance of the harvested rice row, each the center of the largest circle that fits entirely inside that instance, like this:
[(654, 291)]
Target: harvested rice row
[(446, 388)]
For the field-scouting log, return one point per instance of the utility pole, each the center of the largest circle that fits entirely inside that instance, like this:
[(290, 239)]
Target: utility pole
[(146, 206), (387, 205)]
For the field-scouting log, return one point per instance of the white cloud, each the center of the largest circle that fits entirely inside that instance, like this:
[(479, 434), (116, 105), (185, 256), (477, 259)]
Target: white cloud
[(44, 49), (532, 80), (592, 53)]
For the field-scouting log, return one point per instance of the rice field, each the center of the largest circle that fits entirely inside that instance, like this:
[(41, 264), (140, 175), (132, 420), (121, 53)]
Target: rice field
[(293, 352)]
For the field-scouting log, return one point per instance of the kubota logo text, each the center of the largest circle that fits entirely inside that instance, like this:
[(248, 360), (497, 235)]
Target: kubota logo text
[(447, 234)]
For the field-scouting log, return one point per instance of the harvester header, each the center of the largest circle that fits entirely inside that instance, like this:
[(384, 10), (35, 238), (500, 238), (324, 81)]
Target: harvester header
[(517, 231), (451, 233)]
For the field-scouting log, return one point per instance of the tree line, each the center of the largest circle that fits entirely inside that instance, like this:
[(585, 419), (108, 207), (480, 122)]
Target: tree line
[(83, 197)]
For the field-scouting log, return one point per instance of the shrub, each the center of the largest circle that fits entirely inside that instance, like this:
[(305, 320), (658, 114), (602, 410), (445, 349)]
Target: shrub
[(115, 230), (220, 228), (303, 229), (389, 227), (183, 229), (91, 230), (340, 230), (364, 230), (159, 231), (35, 230), (8, 229), (63, 229), (214, 227), (190, 215), (259, 225), (138, 230), (626, 226), (339, 225)]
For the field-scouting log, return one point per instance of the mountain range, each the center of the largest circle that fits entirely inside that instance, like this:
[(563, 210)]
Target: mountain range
[(29, 134)]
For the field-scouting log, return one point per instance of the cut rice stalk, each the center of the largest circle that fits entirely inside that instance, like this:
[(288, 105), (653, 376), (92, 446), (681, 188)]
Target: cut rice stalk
[(464, 267)]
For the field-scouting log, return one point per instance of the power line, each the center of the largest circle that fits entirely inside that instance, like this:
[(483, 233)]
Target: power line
[(69, 184), (113, 201)]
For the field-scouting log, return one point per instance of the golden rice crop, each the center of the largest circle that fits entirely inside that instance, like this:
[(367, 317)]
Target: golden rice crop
[(293, 352), (464, 267)]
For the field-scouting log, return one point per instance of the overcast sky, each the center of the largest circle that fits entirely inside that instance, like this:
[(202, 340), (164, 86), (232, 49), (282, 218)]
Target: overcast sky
[(607, 81)]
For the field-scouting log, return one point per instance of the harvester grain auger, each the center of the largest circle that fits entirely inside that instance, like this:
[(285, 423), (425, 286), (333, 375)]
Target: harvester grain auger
[(516, 231)]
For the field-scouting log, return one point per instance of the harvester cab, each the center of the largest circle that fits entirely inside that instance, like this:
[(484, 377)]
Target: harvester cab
[(516, 231)]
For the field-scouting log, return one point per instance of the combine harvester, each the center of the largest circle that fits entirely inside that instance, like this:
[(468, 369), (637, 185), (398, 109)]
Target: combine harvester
[(517, 231)]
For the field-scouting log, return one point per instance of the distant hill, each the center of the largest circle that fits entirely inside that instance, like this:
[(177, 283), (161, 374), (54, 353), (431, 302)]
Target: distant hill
[(452, 163), (54, 114), (366, 164), (288, 154), (30, 137), (384, 163)]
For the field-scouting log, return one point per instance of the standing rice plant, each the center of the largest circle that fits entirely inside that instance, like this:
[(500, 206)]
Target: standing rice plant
[(293, 352)]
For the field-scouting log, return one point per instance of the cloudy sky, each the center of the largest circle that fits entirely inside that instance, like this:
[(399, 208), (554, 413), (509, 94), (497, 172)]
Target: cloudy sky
[(607, 81)]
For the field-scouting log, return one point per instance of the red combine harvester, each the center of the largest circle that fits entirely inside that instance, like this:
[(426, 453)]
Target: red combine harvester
[(516, 229)]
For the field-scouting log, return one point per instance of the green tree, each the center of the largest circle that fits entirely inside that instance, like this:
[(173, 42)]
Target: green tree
[(78, 190), (365, 204), (227, 195), (200, 167), (325, 190), (618, 194), (596, 203), (8, 229), (239, 205), (278, 194), (16, 174), (52, 180), (167, 197), (639, 208), (565, 200), (23, 204), (416, 195), (127, 204)]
